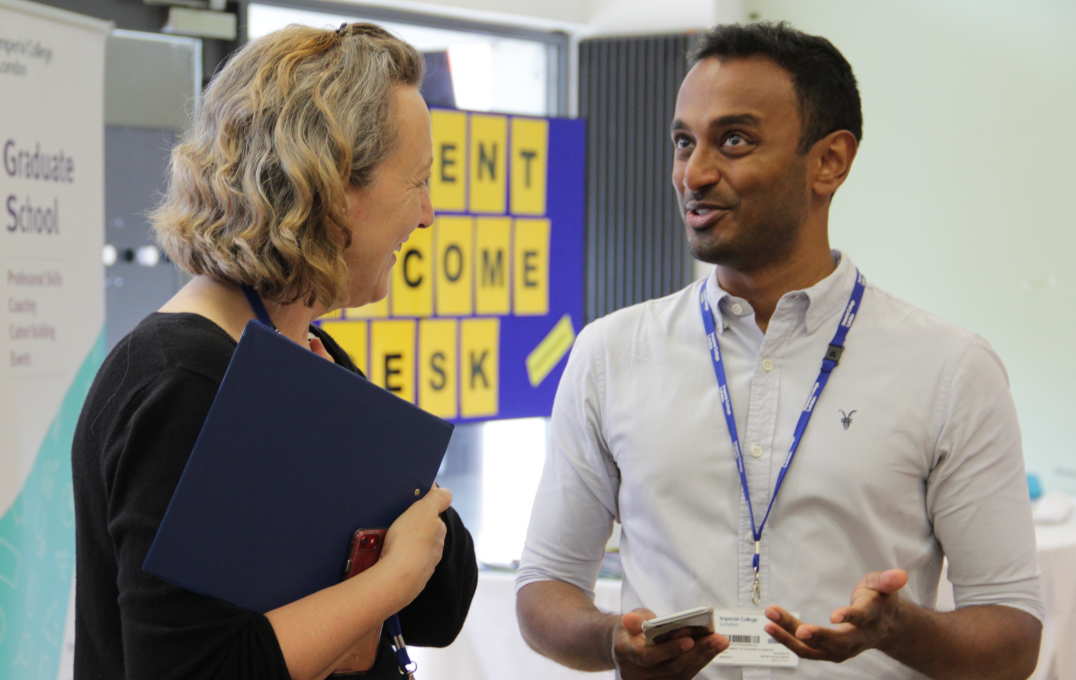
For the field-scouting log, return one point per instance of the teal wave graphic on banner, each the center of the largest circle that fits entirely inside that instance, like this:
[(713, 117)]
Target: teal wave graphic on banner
[(37, 545)]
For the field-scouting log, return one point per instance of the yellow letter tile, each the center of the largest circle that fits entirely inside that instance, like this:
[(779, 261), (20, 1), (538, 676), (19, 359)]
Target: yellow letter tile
[(412, 276), (491, 267), (529, 157), (479, 367), (438, 366), (448, 183), (488, 163), (392, 356), (530, 263), (455, 265), (351, 336)]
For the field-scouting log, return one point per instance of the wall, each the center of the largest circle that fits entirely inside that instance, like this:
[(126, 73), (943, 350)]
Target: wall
[(128, 14), (133, 15), (960, 199), (668, 16), (551, 14), (581, 17)]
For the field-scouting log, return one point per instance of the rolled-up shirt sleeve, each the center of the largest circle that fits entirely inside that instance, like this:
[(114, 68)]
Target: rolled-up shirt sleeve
[(977, 495), (576, 502)]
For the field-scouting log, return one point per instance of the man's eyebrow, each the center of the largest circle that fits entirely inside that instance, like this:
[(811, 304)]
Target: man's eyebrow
[(723, 121), (735, 119)]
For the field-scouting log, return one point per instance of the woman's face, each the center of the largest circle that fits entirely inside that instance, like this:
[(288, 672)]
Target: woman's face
[(382, 214)]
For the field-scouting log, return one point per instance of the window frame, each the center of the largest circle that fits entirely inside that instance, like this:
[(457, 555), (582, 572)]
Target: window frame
[(557, 43)]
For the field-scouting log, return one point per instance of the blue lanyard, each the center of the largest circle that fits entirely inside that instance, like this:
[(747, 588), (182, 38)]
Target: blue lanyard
[(829, 362), (258, 307), (403, 659)]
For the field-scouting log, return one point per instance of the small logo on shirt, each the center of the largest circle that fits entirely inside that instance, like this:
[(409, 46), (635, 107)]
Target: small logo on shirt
[(846, 418)]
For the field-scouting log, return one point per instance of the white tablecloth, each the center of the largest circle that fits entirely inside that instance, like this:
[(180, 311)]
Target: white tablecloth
[(1057, 559), (490, 646)]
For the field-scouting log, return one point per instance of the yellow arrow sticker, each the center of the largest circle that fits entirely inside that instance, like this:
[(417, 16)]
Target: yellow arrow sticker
[(550, 350)]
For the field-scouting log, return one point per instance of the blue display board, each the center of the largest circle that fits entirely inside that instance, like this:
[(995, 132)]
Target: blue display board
[(484, 307)]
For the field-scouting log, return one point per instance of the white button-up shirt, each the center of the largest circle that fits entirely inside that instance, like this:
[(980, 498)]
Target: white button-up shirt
[(913, 452)]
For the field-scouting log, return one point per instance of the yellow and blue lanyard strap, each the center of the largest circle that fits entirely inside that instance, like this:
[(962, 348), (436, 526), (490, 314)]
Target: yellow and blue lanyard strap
[(407, 666), (829, 362)]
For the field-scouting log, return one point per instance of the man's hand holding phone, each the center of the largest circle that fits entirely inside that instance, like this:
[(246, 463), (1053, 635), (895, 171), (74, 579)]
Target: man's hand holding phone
[(677, 654)]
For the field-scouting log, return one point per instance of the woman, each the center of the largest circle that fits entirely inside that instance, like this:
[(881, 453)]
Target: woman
[(306, 169)]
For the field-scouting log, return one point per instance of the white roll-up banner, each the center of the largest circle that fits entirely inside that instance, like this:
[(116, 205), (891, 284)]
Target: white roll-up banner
[(51, 311)]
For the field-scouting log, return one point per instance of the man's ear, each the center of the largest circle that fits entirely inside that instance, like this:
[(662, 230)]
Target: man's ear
[(831, 160)]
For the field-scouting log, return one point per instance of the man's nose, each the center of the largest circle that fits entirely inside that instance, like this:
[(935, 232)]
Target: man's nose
[(700, 171)]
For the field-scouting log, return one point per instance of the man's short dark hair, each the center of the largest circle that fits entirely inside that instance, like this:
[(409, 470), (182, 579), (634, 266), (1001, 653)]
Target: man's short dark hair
[(825, 86)]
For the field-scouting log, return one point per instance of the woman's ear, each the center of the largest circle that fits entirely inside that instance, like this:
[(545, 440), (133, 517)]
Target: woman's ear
[(831, 161)]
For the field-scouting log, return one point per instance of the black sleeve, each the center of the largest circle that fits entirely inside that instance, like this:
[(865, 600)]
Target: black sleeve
[(436, 616), (168, 632)]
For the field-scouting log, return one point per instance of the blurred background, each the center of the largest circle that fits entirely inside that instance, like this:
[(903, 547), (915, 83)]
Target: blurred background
[(960, 200)]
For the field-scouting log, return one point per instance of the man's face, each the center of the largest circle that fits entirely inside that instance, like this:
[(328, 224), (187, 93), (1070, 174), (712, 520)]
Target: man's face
[(737, 172)]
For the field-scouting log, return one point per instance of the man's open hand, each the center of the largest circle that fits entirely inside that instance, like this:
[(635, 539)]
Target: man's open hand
[(867, 623)]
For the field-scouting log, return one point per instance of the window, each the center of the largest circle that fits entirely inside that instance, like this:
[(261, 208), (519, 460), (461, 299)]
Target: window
[(488, 68)]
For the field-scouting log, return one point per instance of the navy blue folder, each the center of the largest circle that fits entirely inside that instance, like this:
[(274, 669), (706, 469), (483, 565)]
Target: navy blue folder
[(295, 455)]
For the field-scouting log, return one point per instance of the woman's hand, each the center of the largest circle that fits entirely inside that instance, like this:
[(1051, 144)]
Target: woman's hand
[(415, 541)]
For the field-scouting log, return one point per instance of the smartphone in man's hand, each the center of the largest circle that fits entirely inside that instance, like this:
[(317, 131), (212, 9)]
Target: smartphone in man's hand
[(696, 623)]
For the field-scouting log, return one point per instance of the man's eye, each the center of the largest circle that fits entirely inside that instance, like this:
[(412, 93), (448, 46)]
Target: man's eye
[(681, 141), (735, 140)]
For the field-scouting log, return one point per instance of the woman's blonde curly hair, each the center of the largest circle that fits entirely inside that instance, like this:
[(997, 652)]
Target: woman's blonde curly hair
[(256, 194)]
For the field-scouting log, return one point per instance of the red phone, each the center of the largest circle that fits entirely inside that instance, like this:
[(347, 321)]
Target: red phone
[(366, 547)]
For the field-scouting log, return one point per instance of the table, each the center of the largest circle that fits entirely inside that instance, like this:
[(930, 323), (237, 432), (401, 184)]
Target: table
[(490, 646)]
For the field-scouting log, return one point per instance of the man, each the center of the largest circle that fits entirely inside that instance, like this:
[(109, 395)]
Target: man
[(909, 452)]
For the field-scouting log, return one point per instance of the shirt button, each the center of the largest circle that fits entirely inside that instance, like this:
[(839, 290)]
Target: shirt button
[(767, 365), (756, 450), (737, 308)]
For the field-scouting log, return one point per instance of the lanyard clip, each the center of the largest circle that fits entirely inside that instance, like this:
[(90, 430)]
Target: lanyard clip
[(832, 358), (403, 660)]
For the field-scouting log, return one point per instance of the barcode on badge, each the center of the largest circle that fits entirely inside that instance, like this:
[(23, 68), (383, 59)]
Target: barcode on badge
[(745, 639)]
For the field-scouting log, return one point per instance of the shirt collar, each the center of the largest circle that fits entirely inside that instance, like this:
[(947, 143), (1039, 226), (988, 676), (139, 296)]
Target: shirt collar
[(823, 300), (714, 295), (828, 297)]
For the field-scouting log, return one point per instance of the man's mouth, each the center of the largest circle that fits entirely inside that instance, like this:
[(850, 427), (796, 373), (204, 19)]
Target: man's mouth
[(701, 216)]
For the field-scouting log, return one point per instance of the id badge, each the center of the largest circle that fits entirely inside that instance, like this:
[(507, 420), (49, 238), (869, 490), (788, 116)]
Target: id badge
[(750, 644)]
